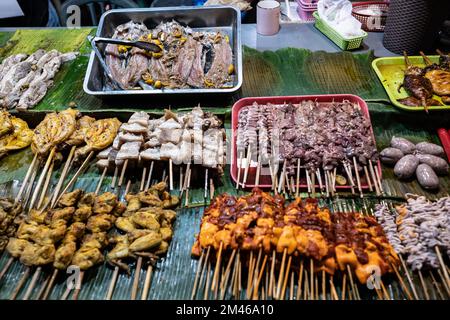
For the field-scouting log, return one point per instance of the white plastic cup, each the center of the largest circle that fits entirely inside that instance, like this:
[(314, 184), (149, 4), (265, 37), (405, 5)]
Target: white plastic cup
[(268, 17)]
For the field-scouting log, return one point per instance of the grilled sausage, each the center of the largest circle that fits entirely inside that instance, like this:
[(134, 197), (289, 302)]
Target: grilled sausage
[(391, 155), (430, 148), (406, 166), (406, 146), (439, 165), (427, 177)]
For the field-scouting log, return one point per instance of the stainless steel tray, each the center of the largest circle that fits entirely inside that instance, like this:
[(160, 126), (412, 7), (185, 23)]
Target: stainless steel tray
[(224, 18)]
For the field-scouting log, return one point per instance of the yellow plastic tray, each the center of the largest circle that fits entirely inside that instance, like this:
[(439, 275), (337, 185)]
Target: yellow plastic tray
[(390, 71)]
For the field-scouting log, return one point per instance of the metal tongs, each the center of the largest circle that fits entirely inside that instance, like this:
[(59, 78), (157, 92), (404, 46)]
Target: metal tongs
[(148, 46)]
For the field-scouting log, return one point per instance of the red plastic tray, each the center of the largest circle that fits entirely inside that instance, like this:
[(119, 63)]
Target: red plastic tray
[(265, 181)]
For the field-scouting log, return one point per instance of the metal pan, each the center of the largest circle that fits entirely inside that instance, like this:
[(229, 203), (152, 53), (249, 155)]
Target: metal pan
[(224, 18)]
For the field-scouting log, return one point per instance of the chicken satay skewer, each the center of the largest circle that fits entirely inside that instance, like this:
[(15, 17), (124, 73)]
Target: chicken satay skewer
[(63, 174), (31, 168), (33, 283), (42, 177)]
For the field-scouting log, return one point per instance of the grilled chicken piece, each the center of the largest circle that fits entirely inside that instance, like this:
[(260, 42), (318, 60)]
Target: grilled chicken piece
[(70, 199), (100, 223), (105, 203), (87, 257), (151, 240), (20, 138), (439, 77), (6, 125), (83, 125), (416, 84), (100, 135)]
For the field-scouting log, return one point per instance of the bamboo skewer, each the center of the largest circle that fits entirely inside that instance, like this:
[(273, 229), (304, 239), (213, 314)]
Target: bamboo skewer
[(247, 167), (50, 285), (239, 167), (149, 179), (82, 168), (197, 274), (33, 283), (203, 270), (224, 282), (216, 271), (444, 269), (78, 290), (411, 284), (311, 274), (369, 182), (358, 180), (144, 175), (447, 289), (206, 291), (280, 277), (437, 286), (46, 184), (258, 172), (42, 177), (374, 178), (344, 284), (424, 286), (43, 287), (256, 287), (300, 278), (63, 174), (137, 274), (112, 284), (187, 187), (122, 173), (272, 273), (6, 267), (99, 185), (206, 185), (291, 287), (148, 278), (288, 268), (114, 178), (170, 174), (402, 283), (349, 176), (27, 177), (297, 189), (20, 284), (334, 294), (211, 189)]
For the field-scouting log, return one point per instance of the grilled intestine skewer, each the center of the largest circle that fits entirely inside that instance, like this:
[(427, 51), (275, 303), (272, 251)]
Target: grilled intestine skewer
[(419, 230), (328, 137)]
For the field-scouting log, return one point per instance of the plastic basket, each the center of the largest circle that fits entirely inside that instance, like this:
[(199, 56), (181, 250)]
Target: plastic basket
[(367, 21), (305, 14), (333, 35)]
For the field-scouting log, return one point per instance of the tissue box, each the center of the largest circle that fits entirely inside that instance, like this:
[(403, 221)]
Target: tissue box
[(340, 41)]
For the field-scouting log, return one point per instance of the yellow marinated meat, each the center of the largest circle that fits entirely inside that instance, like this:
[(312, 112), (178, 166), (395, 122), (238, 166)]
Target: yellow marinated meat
[(151, 240), (100, 223), (6, 125), (70, 199), (82, 126), (148, 219), (38, 255), (440, 80), (101, 133), (105, 203), (20, 137)]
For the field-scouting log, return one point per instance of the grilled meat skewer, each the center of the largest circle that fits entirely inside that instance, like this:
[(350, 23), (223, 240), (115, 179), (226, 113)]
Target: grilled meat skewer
[(444, 60)]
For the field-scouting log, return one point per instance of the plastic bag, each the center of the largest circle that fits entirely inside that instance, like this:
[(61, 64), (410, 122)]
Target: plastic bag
[(338, 14)]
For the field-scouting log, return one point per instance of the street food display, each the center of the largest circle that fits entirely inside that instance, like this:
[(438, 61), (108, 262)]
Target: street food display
[(423, 160), (187, 59), (25, 79)]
